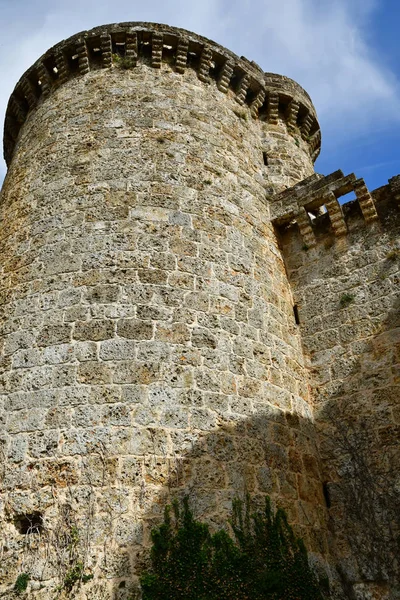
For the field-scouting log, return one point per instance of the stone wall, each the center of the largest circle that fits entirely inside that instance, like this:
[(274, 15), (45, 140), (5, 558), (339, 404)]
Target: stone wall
[(148, 344), (343, 265)]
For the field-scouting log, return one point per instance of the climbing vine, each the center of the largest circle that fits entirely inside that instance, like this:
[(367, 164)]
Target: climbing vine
[(264, 559)]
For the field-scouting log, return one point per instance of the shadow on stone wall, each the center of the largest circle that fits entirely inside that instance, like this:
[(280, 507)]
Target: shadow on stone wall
[(359, 432), (269, 454), (347, 512), (346, 291)]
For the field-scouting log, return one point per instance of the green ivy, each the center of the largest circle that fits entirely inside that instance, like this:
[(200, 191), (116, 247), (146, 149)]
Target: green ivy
[(22, 583), (75, 574), (264, 559), (346, 299)]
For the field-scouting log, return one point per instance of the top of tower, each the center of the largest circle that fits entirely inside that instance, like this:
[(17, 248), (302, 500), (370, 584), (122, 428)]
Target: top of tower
[(267, 94)]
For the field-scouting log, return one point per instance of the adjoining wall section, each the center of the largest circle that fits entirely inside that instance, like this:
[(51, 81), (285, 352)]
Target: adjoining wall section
[(343, 263)]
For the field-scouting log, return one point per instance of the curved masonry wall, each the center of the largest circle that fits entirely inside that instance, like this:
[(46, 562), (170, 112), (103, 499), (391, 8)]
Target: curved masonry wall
[(149, 346)]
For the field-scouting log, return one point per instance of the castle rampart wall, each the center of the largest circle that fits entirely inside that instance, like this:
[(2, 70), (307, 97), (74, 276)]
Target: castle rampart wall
[(343, 266)]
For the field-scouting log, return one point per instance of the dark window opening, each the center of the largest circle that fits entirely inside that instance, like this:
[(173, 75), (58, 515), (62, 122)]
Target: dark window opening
[(301, 115), (118, 48), (51, 67), (263, 110), (327, 495), (314, 213), (215, 69), (36, 84), (296, 314), (27, 524), (145, 49), (265, 157), (193, 59), (168, 53), (236, 79), (283, 107), (22, 101), (93, 45), (73, 63), (250, 96)]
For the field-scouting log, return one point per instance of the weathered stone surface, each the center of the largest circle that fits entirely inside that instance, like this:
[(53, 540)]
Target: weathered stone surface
[(149, 346), (346, 290)]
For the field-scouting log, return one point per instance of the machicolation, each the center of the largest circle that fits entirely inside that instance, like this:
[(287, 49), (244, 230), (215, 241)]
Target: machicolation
[(187, 309)]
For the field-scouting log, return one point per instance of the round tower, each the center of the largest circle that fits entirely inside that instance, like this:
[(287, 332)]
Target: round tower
[(149, 344)]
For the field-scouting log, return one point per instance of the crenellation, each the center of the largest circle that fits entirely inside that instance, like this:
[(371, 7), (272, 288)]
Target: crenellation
[(335, 214), (306, 126), (154, 290), (205, 64), (156, 49), (273, 108), (28, 92), (365, 201), (131, 48), (304, 223), (225, 76), (257, 103), (242, 88), (310, 195), (315, 144), (181, 55), (45, 80), (83, 58), (346, 293), (17, 110), (49, 63), (62, 67), (106, 50), (292, 113)]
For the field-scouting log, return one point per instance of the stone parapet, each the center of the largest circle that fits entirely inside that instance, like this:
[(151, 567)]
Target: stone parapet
[(317, 195), (267, 94)]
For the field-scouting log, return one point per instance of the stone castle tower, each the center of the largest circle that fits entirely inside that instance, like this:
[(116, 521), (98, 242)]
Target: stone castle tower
[(186, 308)]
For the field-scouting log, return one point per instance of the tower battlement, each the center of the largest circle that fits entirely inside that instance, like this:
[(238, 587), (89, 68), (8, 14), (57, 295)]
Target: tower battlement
[(267, 95)]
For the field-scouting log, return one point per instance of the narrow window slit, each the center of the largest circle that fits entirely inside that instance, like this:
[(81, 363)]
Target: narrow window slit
[(265, 157), (327, 495), (296, 314)]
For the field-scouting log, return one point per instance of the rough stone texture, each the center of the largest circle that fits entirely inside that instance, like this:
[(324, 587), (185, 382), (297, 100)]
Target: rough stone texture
[(149, 347), (187, 308)]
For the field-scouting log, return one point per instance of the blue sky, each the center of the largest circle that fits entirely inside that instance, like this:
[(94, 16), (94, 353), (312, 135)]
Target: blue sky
[(344, 52)]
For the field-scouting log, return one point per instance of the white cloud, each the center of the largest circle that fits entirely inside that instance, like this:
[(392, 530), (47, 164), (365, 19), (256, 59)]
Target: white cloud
[(321, 44)]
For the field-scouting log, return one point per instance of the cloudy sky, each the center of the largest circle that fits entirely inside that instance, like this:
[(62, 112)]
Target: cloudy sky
[(344, 52)]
